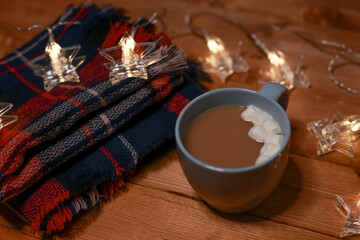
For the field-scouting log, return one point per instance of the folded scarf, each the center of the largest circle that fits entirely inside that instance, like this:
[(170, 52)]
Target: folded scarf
[(52, 202), (74, 144), (60, 111), (21, 87)]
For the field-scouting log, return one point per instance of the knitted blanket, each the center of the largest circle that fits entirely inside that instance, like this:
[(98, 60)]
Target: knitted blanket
[(75, 143)]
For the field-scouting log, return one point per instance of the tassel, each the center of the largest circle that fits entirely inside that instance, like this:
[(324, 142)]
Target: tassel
[(172, 59)]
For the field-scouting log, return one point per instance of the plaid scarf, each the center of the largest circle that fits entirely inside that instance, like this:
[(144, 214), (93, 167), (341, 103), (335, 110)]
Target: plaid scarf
[(75, 143)]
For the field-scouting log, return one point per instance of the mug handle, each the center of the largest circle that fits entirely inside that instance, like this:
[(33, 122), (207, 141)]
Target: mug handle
[(276, 92)]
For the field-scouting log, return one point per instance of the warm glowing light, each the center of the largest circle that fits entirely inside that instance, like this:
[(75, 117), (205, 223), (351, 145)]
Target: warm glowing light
[(127, 44), (221, 61), (215, 44), (336, 133), (276, 58), (54, 51), (57, 65), (356, 127), (130, 64)]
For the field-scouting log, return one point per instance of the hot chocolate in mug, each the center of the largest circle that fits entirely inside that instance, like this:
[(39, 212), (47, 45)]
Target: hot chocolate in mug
[(235, 190)]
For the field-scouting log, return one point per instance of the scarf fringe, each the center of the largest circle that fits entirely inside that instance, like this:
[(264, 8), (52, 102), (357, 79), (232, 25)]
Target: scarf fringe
[(58, 220), (36, 223), (64, 215), (108, 189), (173, 59)]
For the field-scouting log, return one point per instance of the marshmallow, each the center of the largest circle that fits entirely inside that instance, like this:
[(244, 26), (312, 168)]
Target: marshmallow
[(255, 115), (272, 126), (269, 149), (274, 139), (261, 159), (258, 133), (260, 118), (248, 113), (265, 130)]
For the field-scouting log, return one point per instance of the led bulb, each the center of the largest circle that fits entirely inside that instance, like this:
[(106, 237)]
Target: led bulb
[(280, 72), (220, 59), (276, 58), (127, 43), (57, 65), (129, 65), (336, 133)]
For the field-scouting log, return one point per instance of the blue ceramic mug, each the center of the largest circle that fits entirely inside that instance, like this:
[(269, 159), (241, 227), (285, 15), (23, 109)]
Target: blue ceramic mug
[(235, 190)]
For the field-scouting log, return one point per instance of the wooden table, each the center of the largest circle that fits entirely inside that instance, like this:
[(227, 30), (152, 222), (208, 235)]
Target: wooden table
[(159, 203)]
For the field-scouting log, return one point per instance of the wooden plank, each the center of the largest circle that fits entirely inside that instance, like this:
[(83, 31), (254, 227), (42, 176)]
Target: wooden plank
[(12, 222), (9, 233), (141, 213), (305, 197)]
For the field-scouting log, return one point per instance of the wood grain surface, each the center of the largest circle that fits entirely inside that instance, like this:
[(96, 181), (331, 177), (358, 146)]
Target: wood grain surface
[(158, 202)]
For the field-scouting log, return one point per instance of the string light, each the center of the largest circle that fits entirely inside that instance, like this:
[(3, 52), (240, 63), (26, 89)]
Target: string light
[(154, 18), (57, 65), (336, 133), (220, 60), (154, 59), (4, 119), (279, 70), (128, 63), (352, 216), (331, 69), (344, 50)]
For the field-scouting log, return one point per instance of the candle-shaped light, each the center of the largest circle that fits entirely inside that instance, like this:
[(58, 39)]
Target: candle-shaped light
[(53, 49), (129, 65), (215, 44), (57, 65), (276, 58), (127, 43), (221, 60)]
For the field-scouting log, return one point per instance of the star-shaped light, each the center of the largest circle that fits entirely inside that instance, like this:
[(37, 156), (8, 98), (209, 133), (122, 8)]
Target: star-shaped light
[(336, 133), (220, 60), (4, 119), (352, 216), (125, 60), (280, 72), (57, 65)]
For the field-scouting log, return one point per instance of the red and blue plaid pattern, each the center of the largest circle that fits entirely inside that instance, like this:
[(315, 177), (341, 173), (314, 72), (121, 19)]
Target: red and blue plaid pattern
[(75, 143)]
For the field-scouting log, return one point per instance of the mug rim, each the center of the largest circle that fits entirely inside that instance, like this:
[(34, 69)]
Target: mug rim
[(180, 144)]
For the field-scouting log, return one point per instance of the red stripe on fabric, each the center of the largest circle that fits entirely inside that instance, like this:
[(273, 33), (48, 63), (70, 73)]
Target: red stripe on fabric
[(30, 85), (42, 201), (13, 185), (29, 111), (8, 166), (15, 68), (177, 103), (20, 66), (88, 134), (162, 85), (113, 161), (78, 17), (78, 105)]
